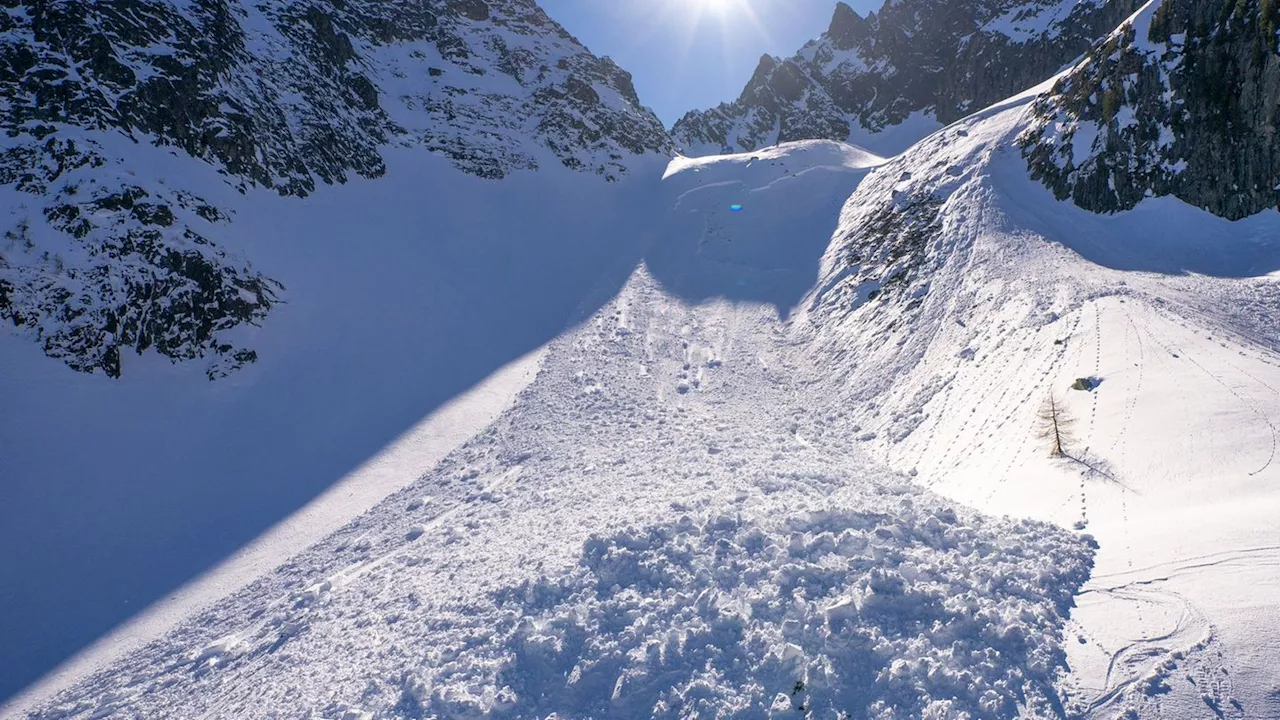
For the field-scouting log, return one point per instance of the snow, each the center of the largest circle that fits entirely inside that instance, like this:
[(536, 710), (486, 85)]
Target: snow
[(415, 609), (704, 249), (808, 155), (1174, 466), (1024, 23), (387, 472), (396, 302), (1086, 138), (741, 484), (894, 139), (885, 142), (721, 616)]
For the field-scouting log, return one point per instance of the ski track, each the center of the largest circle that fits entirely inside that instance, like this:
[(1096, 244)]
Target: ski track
[(981, 437), (1008, 383), (1011, 383), (1253, 406), (1131, 402), (1140, 671), (1097, 370), (948, 391), (1149, 659)]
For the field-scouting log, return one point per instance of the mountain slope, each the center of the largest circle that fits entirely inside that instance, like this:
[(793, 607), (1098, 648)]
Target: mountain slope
[(785, 453), (301, 201), (960, 295), (403, 292), (570, 558), (889, 79), (673, 518), (102, 256)]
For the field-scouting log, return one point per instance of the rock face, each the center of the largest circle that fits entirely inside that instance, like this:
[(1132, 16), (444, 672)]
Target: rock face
[(912, 65), (1181, 101), (109, 265), (97, 258)]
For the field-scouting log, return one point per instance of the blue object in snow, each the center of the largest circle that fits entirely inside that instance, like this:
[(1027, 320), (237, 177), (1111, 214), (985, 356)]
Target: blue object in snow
[(735, 208)]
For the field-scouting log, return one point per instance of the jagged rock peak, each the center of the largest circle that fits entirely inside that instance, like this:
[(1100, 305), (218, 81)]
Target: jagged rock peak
[(325, 84), (886, 80), (1182, 100), (760, 78), (847, 28)]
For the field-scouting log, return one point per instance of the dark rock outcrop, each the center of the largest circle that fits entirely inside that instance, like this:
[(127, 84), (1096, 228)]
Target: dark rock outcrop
[(1181, 101)]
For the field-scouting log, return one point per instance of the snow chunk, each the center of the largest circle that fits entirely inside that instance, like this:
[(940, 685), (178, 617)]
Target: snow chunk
[(835, 611)]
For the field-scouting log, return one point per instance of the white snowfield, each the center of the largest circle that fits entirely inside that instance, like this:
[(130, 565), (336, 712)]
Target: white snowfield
[(761, 477)]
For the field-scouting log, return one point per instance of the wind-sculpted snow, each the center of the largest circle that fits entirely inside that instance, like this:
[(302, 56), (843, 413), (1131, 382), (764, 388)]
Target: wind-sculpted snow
[(908, 612)]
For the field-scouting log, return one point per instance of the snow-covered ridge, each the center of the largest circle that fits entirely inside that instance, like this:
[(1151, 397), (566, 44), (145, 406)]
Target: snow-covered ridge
[(802, 155), (771, 192), (887, 80)]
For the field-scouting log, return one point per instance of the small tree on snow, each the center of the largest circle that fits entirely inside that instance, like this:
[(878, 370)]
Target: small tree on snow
[(1054, 425)]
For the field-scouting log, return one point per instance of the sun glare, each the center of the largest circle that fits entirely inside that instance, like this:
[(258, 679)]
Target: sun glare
[(719, 7), (729, 14), (734, 21)]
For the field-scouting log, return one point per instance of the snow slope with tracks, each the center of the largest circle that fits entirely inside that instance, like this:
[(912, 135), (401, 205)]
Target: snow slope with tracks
[(670, 519), (1173, 315), (688, 509)]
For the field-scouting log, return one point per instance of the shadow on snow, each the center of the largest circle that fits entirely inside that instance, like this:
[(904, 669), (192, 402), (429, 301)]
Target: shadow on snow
[(401, 293)]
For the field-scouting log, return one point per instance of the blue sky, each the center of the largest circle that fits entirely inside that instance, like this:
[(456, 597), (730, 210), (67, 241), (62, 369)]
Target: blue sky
[(693, 54)]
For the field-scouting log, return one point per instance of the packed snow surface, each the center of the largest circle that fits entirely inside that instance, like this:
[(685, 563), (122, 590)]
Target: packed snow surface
[(786, 463)]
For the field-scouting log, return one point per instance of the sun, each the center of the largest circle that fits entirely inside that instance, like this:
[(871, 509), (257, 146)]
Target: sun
[(728, 24), (716, 6), (697, 10), (726, 13), (720, 7)]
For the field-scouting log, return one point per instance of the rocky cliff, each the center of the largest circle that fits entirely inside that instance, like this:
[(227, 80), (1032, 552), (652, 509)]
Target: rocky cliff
[(99, 258), (1180, 101), (889, 78)]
